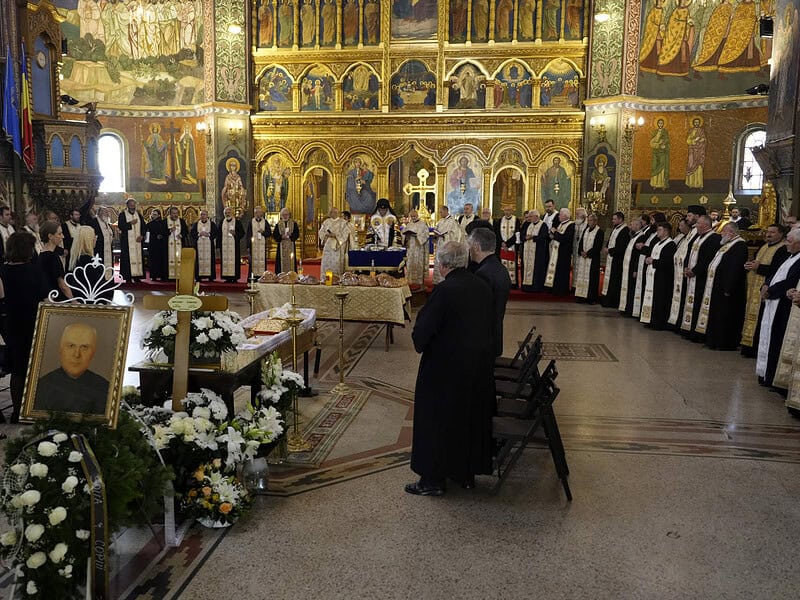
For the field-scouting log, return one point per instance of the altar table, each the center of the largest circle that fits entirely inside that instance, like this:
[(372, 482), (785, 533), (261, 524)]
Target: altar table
[(380, 260)]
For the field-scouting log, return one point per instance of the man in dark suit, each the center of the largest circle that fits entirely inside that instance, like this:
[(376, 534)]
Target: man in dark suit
[(482, 243), (453, 411)]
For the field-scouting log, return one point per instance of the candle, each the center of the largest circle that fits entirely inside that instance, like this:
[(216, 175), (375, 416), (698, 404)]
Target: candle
[(329, 277)]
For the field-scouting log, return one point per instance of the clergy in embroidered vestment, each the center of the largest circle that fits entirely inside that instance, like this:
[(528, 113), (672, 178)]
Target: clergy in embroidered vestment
[(535, 239), (352, 242), (286, 233), (103, 246), (446, 230), (155, 240), (177, 238), (775, 314), (204, 236), (643, 247), (333, 237), (415, 239), (693, 212), (382, 226), (627, 257), (615, 255), (550, 216), (70, 229), (634, 262), (681, 248), (702, 251), (258, 234), (131, 233), (6, 228), (231, 233), (580, 225), (506, 228), (789, 364), (468, 217), (586, 272), (770, 255), (656, 300), (562, 237), (32, 227)]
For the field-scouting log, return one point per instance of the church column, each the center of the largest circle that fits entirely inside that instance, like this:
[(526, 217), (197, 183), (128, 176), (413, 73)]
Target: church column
[(516, 22), (338, 98), (382, 181), (296, 43), (339, 4), (361, 24), (295, 202), (537, 93), (491, 22), (538, 33), (487, 187), (490, 83), (441, 191), (296, 96)]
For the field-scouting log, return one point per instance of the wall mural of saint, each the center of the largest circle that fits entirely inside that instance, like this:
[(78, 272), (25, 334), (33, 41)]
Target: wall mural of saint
[(556, 181), (458, 21), (551, 20), (513, 87), (275, 183), (360, 89), (327, 33), (233, 191), (185, 156), (504, 20), (464, 178), (696, 155), (358, 186), (526, 30), (285, 23), (156, 157), (266, 24), (467, 88), (659, 156), (275, 90), (372, 23), (509, 190), (350, 28), (317, 90)]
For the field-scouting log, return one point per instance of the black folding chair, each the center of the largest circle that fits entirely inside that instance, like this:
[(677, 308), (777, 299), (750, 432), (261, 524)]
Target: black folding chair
[(522, 351), (532, 357)]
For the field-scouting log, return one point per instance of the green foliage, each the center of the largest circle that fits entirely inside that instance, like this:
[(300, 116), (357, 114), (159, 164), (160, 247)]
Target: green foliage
[(66, 69), (112, 67), (88, 48)]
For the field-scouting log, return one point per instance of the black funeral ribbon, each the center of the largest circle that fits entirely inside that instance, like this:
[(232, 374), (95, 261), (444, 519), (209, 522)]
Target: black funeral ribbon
[(99, 518)]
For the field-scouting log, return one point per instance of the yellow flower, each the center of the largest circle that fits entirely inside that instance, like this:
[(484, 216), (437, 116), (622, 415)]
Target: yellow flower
[(206, 491), (199, 474), (225, 508)]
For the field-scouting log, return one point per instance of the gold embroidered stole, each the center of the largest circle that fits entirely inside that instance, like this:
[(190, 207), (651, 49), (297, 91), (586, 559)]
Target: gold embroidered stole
[(764, 256), (678, 278), (705, 306), (286, 246), (551, 265), (416, 252), (612, 244), (639, 288), (791, 339), (134, 247), (691, 282), (650, 282), (203, 249), (584, 266), (626, 271), (174, 246), (507, 235), (228, 246), (108, 253), (529, 252), (258, 246)]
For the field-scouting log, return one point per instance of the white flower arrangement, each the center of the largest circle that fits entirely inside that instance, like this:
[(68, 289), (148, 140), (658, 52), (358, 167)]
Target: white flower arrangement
[(211, 335)]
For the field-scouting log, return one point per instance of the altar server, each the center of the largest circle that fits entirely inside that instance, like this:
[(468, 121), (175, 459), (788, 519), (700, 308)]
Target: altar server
[(333, 237), (231, 233), (204, 236), (131, 231), (286, 233), (656, 300), (415, 239), (535, 246), (562, 237), (177, 234), (258, 235)]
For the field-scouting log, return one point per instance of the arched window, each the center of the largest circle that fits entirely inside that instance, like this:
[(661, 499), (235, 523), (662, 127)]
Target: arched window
[(749, 176), (111, 162)]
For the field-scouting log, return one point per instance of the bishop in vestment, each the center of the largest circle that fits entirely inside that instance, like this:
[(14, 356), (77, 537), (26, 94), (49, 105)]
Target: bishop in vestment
[(131, 231), (415, 240), (231, 233), (258, 234), (658, 282), (587, 269), (615, 256), (535, 238), (333, 237), (452, 435), (286, 233), (204, 236), (562, 237), (702, 251), (725, 295)]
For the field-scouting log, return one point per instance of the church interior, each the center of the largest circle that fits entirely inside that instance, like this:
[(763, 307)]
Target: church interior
[(682, 463)]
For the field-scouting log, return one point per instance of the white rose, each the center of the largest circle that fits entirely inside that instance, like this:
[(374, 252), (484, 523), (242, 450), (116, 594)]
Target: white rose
[(168, 330), (57, 554), (9, 538), (58, 514), (31, 588), (39, 470), (30, 498), (201, 338), (215, 333), (75, 456), (47, 448), (60, 437), (33, 532), (199, 323), (82, 534), (36, 560), (201, 412), (69, 484), (19, 469)]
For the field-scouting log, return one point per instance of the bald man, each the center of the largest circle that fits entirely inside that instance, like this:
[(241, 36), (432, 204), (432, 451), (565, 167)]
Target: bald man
[(73, 387)]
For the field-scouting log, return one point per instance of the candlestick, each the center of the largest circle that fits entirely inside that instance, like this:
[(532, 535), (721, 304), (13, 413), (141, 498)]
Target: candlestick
[(295, 442), (341, 295)]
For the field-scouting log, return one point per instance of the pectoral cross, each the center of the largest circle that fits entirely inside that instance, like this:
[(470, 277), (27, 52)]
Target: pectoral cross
[(184, 303)]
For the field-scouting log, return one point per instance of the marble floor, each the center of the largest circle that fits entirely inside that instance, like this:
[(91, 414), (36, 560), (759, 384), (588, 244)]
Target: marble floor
[(684, 474)]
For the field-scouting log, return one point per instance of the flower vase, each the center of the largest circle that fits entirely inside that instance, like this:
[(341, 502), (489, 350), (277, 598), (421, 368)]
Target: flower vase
[(255, 475), (212, 523)]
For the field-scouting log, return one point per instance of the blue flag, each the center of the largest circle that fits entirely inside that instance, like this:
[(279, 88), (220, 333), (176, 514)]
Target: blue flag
[(11, 106)]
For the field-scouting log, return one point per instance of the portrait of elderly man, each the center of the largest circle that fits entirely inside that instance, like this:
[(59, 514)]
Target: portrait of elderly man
[(73, 387)]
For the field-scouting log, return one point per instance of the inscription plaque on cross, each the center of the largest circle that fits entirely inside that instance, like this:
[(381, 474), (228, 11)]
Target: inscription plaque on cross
[(184, 302)]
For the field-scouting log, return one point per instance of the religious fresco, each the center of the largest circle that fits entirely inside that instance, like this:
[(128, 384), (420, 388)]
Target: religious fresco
[(464, 183), (265, 25), (359, 187), (317, 197), (275, 174), (508, 190), (327, 23), (458, 21), (414, 20), (672, 158), (700, 49), (372, 23), (573, 22), (560, 86), (783, 87), (361, 89), (601, 171), (308, 24), (316, 90), (526, 20), (467, 88), (275, 90), (504, 20), (513, 87), (405, 185), (606, 51), (350, 23), (480, 21), (139, 52), (413, 87), (555, 178), (551, 20), (234, 193), (284, 31)]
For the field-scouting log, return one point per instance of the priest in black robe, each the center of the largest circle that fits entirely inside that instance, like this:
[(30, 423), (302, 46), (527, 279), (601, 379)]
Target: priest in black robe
[(229, 242), (591, 251), (452, 435), (204, 234), (286, 232), (661, 260), (156, 235), (130, 221), (564, 234), (541, 240), (728, 293), (482, 251), (638, 242), (615, 257), (709, 244)]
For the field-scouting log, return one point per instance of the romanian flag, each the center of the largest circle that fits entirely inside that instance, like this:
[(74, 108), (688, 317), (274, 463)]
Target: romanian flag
[(11, 106), (27, 123)]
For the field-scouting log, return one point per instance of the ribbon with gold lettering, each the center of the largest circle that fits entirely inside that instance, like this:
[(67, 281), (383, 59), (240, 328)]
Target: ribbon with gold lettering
[(99, 518)]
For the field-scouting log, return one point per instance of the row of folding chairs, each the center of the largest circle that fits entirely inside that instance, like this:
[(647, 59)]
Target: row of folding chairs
[(525, 397)]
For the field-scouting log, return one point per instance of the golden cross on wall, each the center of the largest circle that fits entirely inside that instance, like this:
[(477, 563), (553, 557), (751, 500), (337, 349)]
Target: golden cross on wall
[(184, 303)]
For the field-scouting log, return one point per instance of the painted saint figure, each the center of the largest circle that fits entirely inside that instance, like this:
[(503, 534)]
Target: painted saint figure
[(659, 152), (266, 23), (155, 156), (463, 187), (676, 51), (358, 188), (652, 38), (696, 142), (556, 184), (185, 158), (233, 192), (308, 23)]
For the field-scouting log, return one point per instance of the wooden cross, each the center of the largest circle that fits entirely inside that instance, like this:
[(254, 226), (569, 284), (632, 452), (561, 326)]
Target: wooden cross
[(184, 303)]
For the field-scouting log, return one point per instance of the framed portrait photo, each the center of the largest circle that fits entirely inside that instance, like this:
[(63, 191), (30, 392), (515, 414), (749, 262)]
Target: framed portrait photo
[(77, 362)]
